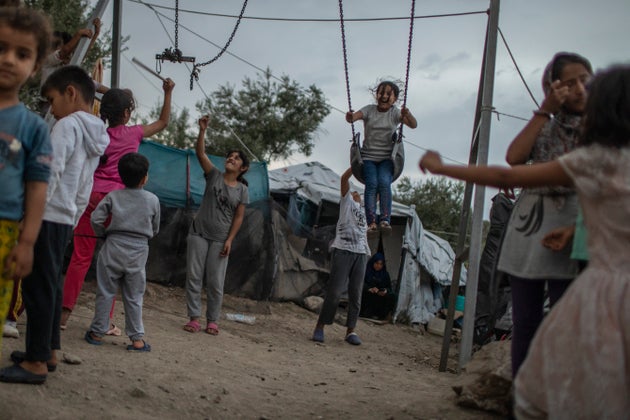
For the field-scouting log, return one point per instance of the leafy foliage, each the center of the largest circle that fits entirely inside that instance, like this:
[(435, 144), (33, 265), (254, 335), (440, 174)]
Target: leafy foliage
[(66, 16), (274, 119), (178, 132), (438, 203)]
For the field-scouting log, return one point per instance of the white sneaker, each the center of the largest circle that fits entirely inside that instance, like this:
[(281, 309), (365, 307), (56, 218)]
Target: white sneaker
[(10, 330)]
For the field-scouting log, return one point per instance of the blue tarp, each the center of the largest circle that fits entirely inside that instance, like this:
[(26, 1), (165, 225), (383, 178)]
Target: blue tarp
[(168, 175)]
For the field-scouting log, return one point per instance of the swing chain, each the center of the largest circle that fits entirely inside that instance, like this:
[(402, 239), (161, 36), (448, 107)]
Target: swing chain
[(411, 20), (174, 55), (345, 61), (194, 74), (177, 25)]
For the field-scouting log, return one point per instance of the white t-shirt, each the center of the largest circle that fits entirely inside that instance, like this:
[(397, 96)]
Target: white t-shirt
[(351, 234)]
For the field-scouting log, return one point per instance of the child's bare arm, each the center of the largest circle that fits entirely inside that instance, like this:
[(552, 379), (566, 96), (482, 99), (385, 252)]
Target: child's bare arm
[(66, 50), (519, 150), (354, 116), (538, 175), (200, 146), (345, 182), (407, 118), (559, 238), (97, 30), (165, 114), (19, 262), (237, 221)]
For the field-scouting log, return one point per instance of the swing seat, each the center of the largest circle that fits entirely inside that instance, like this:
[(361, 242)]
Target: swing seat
[(397, 157)]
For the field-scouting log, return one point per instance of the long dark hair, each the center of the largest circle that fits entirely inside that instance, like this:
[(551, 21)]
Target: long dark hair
[(607, 112), (245, 160), (113, 106)]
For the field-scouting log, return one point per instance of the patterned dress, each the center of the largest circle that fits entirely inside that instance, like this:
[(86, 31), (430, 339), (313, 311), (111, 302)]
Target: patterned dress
[(578, 366)]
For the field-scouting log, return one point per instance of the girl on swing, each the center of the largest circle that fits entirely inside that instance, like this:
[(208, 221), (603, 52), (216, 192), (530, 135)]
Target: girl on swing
[(380, 122)]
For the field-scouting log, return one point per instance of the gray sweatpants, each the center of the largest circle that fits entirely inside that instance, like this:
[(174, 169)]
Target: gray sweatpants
[(121, 262), (204, 262), (347, 270)]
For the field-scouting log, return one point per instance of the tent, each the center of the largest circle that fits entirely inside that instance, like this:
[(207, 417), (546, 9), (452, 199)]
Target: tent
[(282, 249), (419, 261)]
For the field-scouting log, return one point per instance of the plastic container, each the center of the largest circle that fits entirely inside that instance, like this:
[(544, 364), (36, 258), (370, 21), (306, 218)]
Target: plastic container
[(243, 319), (459, 303)]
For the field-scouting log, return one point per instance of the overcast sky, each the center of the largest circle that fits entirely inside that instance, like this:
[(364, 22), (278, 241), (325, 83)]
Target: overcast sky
[(445, 61)]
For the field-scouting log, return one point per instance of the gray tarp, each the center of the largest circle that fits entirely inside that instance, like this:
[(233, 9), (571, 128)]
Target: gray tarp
[(427, 262)]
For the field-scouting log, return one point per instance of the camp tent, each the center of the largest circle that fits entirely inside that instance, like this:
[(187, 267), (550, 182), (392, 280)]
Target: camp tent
[(419, 261), (282, 249)]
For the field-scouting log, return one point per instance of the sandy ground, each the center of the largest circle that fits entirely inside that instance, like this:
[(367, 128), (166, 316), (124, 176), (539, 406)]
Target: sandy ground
[(269, 370)]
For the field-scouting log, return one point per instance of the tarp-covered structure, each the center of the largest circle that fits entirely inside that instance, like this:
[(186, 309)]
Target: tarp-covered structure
[(282, 249), (419, 261)]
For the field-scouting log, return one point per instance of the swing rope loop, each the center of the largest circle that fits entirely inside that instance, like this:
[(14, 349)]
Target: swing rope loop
[(404, 105), (345, 61), (194, 74)]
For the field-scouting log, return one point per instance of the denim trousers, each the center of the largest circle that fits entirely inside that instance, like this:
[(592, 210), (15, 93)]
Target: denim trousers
[(378, 178)]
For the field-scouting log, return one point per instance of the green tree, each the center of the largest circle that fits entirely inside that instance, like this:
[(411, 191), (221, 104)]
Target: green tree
[(178, 133), (438, 203), (274, 119), (66, 16)]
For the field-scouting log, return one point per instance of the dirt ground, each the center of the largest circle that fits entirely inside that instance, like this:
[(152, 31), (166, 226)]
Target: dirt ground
[(269, 370)]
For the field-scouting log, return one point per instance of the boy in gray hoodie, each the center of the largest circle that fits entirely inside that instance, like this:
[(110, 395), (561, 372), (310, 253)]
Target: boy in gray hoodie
[(134, 218), (78, 140)]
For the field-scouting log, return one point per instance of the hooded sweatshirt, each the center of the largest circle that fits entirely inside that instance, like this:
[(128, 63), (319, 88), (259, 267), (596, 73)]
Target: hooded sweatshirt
[(78, 141)]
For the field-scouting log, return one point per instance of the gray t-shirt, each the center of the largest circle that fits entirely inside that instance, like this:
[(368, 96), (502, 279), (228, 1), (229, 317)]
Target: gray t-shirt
[(135, 213), (219, 203), (379, 127), (351, 234)]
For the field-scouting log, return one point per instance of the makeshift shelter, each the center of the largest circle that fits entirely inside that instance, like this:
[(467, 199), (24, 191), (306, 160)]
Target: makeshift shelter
[(282, 249), (419, 262)]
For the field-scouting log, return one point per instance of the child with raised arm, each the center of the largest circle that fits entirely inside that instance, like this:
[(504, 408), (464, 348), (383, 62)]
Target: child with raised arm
[(577, 365), (380, 122), (25, 150), (212, 232), (116, 108), (532, 269), (134, 218), (348, 262), (78, 139)]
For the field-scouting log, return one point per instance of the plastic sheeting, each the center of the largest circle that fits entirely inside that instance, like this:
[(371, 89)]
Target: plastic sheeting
[(169, 176), (427, 262)]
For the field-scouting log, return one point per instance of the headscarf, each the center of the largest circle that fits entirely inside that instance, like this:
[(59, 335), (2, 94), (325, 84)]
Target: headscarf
[(378, 278)]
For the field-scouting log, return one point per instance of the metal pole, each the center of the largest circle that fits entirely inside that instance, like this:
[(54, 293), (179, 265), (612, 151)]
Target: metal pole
[(465, 351), (116, 37), (460, 252), (84, 43)]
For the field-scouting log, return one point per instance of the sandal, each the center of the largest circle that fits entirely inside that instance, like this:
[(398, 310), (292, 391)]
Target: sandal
[(114, 330), (145, 347), (192, 326), (212, 328)]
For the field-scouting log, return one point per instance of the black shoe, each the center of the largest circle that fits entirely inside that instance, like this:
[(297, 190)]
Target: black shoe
[(19, 375), (18, 357)]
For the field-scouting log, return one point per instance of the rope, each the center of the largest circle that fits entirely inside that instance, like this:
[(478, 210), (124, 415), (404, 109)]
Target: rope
[(531, 95)]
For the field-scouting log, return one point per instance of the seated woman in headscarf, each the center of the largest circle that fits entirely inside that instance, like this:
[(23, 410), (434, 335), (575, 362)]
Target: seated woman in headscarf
[(378, 297)]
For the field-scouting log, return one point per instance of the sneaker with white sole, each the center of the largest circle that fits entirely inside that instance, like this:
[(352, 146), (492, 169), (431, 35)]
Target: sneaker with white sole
[(10, 330)]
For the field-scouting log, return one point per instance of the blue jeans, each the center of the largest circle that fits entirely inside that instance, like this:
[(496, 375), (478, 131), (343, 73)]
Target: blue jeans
[(378, 178)]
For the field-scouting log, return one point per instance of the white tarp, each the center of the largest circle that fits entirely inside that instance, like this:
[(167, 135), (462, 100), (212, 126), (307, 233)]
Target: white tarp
[(426, 252)]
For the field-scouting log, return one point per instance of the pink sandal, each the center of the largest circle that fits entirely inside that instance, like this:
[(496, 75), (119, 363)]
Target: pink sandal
[(212, 328), (192, 326)]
